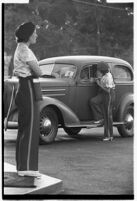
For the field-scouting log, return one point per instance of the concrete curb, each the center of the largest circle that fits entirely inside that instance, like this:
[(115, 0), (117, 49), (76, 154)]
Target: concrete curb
[(44, 185)]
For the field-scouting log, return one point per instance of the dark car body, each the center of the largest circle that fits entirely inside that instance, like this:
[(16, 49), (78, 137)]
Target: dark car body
[(67, 86)]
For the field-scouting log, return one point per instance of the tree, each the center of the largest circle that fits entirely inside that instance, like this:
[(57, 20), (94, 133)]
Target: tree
[(73, 27)]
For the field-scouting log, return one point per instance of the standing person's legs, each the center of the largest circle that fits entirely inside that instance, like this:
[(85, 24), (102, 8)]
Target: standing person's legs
[(105, 110), (108, 114), (110, 111), (21, 144), (34, 138), (33, 145), (95, 105), (28, 135), (24, 119)]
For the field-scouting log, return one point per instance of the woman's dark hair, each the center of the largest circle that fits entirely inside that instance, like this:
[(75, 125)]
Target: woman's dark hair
[(103, 67), (24, 31), (104, 71)]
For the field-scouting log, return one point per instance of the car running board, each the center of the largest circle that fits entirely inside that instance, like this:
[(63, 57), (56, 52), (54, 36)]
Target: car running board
[(91, 124)]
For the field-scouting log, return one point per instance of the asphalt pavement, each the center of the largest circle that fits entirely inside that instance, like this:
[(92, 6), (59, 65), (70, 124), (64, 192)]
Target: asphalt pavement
[(87, 165)]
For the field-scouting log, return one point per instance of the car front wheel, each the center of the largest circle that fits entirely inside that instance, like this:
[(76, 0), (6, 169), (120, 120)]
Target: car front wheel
[(48, 125), (127, 117)]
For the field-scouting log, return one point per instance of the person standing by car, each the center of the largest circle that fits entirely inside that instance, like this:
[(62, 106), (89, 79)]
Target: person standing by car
[(103, 102), (25, 68)]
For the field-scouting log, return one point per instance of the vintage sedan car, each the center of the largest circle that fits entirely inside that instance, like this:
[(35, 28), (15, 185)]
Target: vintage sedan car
[(67, 84)]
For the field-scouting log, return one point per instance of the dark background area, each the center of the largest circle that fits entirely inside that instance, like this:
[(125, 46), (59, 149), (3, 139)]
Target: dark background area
[(72, 27)]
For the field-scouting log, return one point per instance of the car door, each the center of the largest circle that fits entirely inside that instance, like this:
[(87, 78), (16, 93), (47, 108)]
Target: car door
[(86, 88), (123, 78)]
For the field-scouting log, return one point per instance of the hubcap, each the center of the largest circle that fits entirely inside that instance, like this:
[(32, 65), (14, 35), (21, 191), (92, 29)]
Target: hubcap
[(45, 126), (129, 121)]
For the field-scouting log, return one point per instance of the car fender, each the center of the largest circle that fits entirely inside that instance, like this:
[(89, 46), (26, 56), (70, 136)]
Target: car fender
[(69, 117), (127, 99)]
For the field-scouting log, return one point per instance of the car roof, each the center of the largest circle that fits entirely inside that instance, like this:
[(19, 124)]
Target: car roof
[(81, 60)]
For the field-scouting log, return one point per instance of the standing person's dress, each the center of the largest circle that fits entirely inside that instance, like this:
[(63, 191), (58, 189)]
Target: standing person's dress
[(102, 104), (25, 68)]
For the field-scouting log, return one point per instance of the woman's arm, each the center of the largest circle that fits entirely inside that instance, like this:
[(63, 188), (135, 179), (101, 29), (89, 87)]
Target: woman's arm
[(35, 68), (104, 88)]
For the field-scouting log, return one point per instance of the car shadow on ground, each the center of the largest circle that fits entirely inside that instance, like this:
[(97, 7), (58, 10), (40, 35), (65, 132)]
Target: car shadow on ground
[(81, 138)]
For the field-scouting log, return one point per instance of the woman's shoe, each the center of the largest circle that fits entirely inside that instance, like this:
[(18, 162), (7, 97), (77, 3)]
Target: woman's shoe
[(106, 139), (101, 121), (111, 138), (29, 173)]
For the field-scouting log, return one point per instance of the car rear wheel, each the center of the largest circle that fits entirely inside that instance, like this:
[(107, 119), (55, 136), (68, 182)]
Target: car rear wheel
[(48, 125), (126, 130), (73, 132)]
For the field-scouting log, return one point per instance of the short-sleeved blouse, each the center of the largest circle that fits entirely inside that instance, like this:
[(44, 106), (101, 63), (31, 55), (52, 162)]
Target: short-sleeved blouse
[(107, 81), (22, 55)]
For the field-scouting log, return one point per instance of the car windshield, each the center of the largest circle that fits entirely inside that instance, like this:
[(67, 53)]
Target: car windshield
[(65, 71)]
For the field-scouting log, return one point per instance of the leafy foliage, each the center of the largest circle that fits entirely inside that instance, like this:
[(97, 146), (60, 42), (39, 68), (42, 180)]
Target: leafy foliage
[(69, 27)]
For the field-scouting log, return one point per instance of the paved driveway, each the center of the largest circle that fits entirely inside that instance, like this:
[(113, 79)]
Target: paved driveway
[(86, 165)]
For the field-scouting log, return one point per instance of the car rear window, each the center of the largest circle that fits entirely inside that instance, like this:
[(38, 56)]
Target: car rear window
[(59, 70), (121, 73)]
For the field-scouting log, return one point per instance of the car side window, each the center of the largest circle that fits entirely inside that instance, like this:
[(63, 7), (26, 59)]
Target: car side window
[(85, 74), (88, 73), (63, 71), (93, 71), (121, 73)]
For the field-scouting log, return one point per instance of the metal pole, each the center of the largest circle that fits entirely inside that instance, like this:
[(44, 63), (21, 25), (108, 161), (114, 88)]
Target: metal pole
[(98, 30)]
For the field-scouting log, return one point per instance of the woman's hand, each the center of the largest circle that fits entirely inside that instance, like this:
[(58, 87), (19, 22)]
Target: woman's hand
[(98, 81)]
